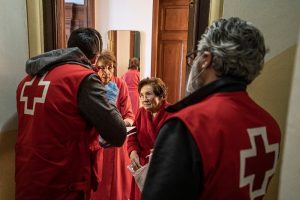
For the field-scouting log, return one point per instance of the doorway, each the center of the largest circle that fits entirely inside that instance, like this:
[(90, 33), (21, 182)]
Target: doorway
[(177, 26), (63, 16)]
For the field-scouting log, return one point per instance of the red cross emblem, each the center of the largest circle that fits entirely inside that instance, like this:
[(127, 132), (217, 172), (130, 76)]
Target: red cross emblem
[(257, 177), (34, 92)]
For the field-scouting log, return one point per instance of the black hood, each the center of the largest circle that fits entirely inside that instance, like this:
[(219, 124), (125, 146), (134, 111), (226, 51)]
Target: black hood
[(42, 63)]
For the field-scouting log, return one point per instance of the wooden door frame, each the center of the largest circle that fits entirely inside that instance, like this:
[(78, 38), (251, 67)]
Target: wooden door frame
[(54, 22), (155, 30), (54, 27), (198, 21)]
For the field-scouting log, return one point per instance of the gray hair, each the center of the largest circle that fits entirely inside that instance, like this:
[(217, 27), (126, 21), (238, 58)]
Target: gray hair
[(237, 47)]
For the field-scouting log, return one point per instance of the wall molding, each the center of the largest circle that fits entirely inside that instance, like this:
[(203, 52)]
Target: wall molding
[(35, 27)]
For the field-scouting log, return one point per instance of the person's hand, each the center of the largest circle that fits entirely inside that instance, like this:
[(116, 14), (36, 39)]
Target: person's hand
[(150, 154), (135, 160), (151, 151), (112, 92), (128, 122)]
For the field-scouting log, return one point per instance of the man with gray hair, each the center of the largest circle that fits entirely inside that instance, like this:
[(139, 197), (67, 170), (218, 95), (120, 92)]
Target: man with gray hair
[(218, 143)]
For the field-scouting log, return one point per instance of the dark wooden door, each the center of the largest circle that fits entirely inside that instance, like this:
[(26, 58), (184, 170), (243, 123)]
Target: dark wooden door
[(177, 27), (171, 45), (61, 18), (198, 21)]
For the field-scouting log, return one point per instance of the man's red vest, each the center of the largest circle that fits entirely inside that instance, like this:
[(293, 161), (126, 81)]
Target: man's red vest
[(53, 160), (238, 142)]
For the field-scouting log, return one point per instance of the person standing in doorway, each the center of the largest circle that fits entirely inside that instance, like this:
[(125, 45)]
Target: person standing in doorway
[(132, 79)]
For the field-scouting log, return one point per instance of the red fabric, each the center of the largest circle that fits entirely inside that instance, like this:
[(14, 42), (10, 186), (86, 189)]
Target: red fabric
[(123, 101), (53, 159), (143, 141), (115, 178), (233, 146), (132, 79)]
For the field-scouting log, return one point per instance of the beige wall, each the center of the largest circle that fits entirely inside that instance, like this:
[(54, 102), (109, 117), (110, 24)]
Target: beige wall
[(123, 52), (290, 179), (35, 27), (279, 22), (272, 91)]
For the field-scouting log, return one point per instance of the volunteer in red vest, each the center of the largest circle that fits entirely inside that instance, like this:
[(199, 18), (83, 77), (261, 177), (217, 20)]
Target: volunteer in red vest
[(218, 143), (114, 177), (60, 103)]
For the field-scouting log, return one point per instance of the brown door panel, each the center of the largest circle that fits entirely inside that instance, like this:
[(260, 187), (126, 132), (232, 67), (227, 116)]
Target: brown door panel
[(173, 70), (178, 22), (178, 14), (172, 35), (171, 46)]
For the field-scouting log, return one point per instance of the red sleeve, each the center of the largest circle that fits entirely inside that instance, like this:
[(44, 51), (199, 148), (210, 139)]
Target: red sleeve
[(123, 102), (139, 78), (132, 140)]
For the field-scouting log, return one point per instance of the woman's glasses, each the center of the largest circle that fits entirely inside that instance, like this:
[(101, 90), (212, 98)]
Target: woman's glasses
[(148, 95), (103, 68), (190, 57)]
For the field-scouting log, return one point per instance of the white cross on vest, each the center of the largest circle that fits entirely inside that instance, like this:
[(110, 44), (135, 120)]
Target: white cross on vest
[(34, 92), (257, 177)]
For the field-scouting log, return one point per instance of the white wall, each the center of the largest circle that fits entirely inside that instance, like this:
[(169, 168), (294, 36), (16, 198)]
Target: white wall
[(75, 1), (133, 15), (13, 55)]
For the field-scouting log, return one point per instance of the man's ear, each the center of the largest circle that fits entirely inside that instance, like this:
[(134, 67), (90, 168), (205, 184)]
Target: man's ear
[(94, 59), (207, 59)]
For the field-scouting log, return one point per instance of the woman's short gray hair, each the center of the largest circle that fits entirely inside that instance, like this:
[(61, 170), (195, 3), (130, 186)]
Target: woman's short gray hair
[(237, 47)]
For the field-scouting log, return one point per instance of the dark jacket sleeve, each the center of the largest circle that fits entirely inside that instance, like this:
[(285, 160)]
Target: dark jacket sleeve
[(175, 170), (98, 112)]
